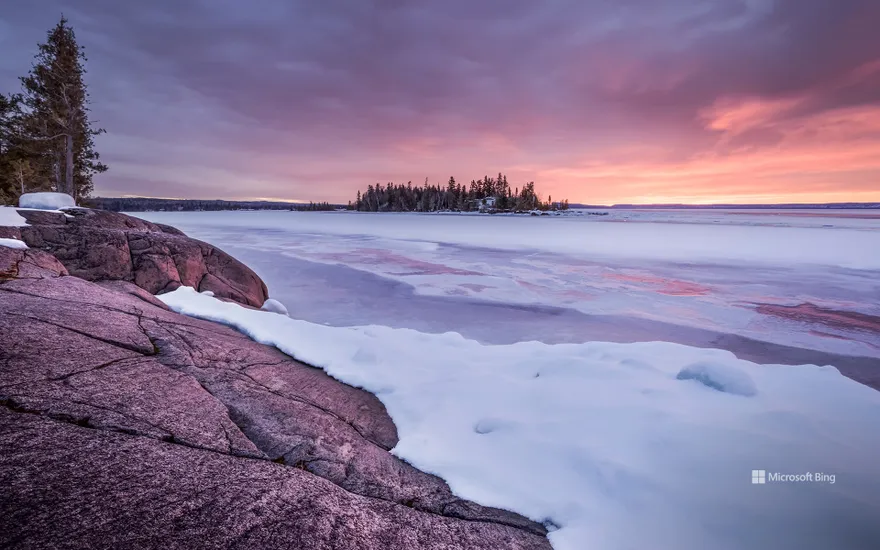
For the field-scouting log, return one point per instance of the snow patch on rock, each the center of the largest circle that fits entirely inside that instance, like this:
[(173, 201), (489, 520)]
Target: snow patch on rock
[(46, 201), (13, 243)]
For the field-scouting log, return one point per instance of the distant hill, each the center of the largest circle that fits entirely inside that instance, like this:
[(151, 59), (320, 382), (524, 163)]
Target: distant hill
[(142, 204), (789, 206)]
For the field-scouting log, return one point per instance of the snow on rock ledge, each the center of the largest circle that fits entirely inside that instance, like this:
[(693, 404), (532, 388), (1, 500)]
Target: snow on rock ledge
[(46, 201), (13, 243)]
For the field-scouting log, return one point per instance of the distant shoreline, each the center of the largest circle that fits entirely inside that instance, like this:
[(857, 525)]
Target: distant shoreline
[(136, 204), (784, 206)]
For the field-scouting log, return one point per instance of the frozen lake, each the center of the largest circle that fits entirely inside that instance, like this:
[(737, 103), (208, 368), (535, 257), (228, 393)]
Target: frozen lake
[(790, 287), (642, 443)]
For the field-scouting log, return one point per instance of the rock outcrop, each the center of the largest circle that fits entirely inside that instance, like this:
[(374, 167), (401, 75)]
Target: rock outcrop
[(106, 246), (17, 263), (126, 425)]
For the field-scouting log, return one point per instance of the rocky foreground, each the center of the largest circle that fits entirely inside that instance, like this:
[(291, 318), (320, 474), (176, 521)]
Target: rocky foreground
[(126, 425)]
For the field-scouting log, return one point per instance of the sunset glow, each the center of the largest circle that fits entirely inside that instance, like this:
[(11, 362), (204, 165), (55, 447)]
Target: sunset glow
[(602, 103)]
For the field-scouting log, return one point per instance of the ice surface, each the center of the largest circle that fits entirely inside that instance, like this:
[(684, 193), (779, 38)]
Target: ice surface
[(9, 217), (601, 439), (604, 440), (821, 218), (274, 306), (720, 376), (12, 243), (704, 280), (844, 246), (46, 201)]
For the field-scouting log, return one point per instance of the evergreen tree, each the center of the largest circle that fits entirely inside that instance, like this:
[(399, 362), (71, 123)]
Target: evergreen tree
[(8, 192), (22, 172), (431, 198), (17, 164), (450, 193), (369, 199), (56, 107), (6, 110)]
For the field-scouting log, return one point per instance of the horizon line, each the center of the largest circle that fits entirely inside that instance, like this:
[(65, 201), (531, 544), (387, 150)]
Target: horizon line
[(574, 204)]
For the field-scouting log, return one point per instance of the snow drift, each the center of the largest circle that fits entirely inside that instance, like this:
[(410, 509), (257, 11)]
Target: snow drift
[(274, 306), (721, 377), (46, 201), (611, 445)]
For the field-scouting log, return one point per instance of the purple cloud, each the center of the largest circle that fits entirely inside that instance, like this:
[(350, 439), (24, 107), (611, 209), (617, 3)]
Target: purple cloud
[(311, 100)]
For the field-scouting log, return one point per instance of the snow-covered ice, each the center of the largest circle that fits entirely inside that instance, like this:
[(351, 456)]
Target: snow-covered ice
[(46, 201), (843, 246), (646, 444), (642, 445), (705, 278), (12, 243), (9, 217)]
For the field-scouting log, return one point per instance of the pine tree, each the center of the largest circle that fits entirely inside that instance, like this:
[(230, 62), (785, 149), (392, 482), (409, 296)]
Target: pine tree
[(22, 174), (17, 165), (450, 193), (56, 108), (431, 198), (8, 192)]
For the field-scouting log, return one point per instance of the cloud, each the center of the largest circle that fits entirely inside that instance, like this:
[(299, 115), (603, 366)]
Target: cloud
[(601, 101)]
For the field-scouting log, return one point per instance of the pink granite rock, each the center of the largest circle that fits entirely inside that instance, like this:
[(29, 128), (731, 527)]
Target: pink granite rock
[(107, 246), (126, 425), (17, 263)]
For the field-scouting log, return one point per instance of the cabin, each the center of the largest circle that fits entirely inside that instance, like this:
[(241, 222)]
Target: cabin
[(484, 205)]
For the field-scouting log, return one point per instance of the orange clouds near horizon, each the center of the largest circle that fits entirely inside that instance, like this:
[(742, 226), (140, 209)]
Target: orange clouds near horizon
[(684, 101), (765, 151)]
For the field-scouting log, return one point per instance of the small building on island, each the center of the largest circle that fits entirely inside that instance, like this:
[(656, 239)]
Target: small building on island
[(486, 204)]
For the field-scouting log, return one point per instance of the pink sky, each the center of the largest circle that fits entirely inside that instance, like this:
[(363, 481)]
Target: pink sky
[(629, 101)]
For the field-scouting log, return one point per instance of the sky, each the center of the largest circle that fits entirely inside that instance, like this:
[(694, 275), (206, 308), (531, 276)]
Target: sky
[(597, 101)]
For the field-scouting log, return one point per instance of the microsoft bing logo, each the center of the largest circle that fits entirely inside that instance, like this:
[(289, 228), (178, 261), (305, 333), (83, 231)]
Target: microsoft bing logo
[(759, 477)]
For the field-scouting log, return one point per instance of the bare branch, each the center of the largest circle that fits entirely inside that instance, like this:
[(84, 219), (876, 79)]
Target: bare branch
[(33, 138)]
